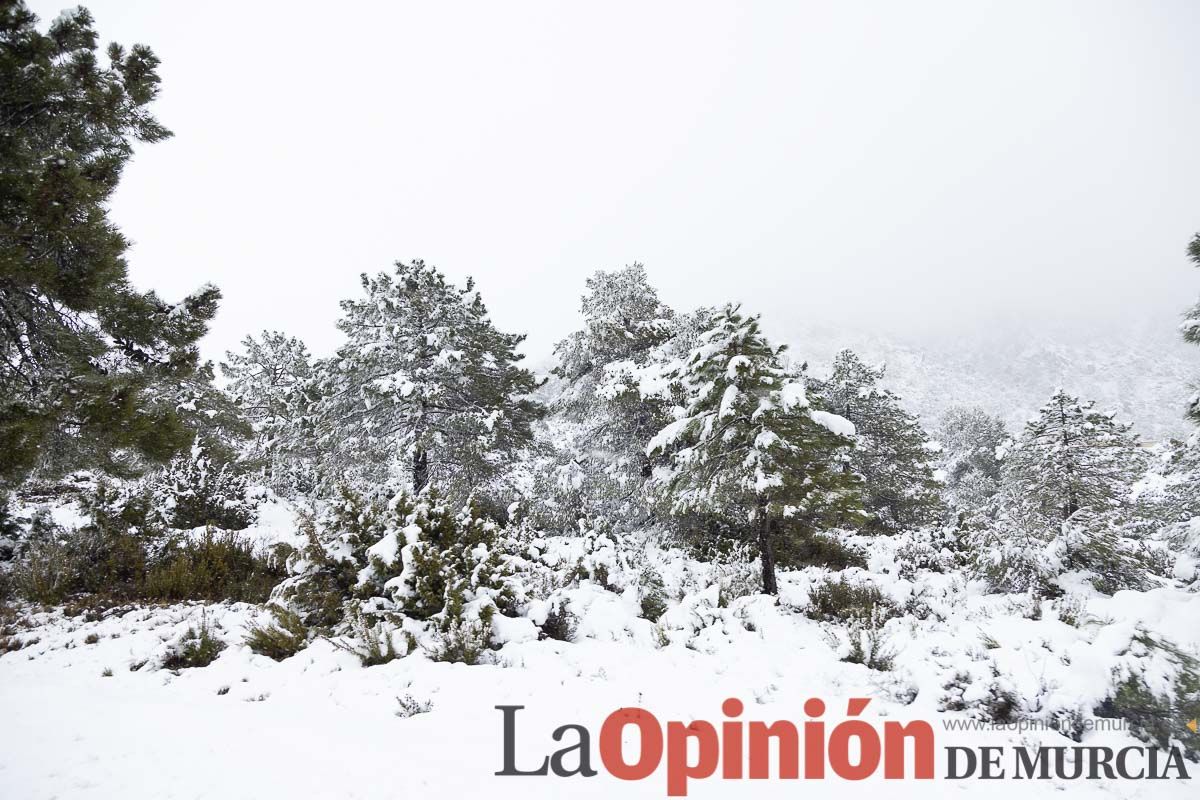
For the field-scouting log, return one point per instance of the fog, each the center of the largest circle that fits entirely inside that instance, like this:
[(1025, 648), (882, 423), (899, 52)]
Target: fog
[(908, 169)]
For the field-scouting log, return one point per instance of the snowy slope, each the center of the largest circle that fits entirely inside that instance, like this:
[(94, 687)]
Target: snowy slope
[(319, 725)]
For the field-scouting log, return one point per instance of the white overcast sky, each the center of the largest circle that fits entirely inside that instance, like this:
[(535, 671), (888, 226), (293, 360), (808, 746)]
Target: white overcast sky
[(893, 166)]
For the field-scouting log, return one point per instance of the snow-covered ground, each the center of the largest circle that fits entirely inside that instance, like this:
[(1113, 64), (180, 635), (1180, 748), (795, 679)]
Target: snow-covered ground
[(90, 713)]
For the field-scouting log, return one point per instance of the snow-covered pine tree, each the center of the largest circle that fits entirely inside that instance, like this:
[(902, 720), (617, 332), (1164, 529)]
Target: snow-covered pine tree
[(1014, 547), (748, 447), (614, 370), (972, 444), (1172, 495), (623, 320), (1072, 457), (216, 420), (425, 386), (892, 452), (1064, 485), (1191, 327), (83, 353), (270, 379), (200, 413)]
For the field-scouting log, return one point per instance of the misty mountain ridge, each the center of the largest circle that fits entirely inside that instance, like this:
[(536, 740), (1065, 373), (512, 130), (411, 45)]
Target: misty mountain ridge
[(1143, 372)]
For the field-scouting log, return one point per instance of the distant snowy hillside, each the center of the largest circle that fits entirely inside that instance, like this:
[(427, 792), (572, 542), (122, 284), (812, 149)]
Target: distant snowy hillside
[(1142, 373)]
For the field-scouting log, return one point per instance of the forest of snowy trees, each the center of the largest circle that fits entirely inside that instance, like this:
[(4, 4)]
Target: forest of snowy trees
[(426, 467)]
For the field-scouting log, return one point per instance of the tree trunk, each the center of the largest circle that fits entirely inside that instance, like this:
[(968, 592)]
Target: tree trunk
[(420, 470), (766, 551), (1071, 506)]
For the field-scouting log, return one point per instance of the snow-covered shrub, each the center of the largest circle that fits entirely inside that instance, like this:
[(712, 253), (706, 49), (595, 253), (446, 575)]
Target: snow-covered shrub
[(651, 594), (107, 556), (858, 613), (10, 530), (982, 692), (320, 583), (560, 623), (115, 565), (1169, 492), (1038, 669), (47, 571), (1022, 549), (449, 561), (608, 559), (735, 567), (1183, 541), (411, 706), (371, 561), (122, 508), (463, 641), (849, 601), (335, 566), (35, 564), (371, 640), (869, 644), (930, 601), (198, 648), (281, 638), (1156, 685), (193, 491), (1071, 609), (1095, 544), (817, 550), (924, 549), (214, 566), (1014, 551)]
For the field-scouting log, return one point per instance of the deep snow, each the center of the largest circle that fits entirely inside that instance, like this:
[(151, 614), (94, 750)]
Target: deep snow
[(319, 725)]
